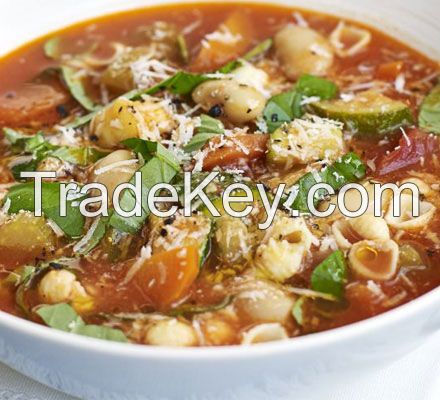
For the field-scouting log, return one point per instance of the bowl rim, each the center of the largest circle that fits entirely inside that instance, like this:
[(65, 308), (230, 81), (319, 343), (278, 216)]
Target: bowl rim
[(219, 353)]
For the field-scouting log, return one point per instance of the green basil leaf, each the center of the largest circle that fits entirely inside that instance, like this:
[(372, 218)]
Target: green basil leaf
[(22, 197), (64, 318), (314, 86), (210, 125), (149, 149), (349, 168), (282, 108), (39, 148), (198, 141), (429, 116), (153, 172), (182, 83), (78, 155), (208, 128), (76, 88), (101, 332), (60, 316), (330, 276)]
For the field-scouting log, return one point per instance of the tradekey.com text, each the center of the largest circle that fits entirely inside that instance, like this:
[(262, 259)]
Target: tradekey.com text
[(163, 199)]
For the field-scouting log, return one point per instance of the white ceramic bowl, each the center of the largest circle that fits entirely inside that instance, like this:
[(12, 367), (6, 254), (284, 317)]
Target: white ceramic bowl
[(93, 369)]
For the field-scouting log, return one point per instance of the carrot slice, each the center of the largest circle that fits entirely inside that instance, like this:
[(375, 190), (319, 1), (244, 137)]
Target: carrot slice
[(232, 38), (166, 277), (238, 148), (389, 71)]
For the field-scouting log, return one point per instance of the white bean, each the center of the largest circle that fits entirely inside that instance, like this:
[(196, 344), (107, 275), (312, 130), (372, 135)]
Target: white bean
[(240, 103), (116, 168)]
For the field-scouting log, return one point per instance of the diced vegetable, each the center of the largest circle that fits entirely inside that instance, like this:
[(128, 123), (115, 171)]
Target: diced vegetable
[(25, 237), (125, 119), (64, 318), (330, 276), (232, 240), (180, 231), (242, 147), (368, 113), (389, 71), (410, 255), (429, 116), (233, 37), (118, 76), (416, 147), (165, 277), (303, 141)]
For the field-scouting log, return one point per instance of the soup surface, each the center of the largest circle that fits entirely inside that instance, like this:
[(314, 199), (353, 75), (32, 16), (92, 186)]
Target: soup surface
[(261, 94)]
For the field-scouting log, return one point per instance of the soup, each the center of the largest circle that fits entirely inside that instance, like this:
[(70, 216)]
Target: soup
[(266, 96)]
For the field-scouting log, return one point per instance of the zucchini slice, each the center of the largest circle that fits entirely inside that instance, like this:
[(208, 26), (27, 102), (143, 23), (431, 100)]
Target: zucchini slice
[(429, 116), (367, 113)]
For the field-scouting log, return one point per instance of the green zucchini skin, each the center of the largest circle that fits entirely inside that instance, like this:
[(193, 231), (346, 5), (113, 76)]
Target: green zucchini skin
[(429, 116), (367, 114)]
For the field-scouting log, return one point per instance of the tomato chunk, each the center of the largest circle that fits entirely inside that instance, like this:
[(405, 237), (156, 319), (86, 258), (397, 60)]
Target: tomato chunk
[(167, 276), (415, 148), (237, 149), (33, 105), (389, 71), (232, 38)]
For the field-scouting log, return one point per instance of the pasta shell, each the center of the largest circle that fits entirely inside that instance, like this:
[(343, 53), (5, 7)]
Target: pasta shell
[(365, 227), (424, 188), (352, 200), (370, 227), (358, 37), (375, 260), (406, 221), (264, 333)]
